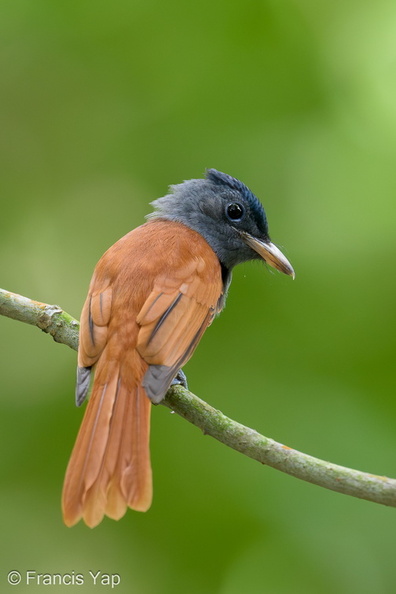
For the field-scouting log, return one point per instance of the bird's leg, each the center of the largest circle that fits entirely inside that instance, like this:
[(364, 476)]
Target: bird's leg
[(180, 379)]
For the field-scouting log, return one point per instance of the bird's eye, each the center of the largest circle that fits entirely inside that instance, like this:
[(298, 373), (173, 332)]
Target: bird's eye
[(235, 211)]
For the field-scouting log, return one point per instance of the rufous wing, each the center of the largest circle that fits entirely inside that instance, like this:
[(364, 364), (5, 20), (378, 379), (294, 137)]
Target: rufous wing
[(173, 319), (94, 328)]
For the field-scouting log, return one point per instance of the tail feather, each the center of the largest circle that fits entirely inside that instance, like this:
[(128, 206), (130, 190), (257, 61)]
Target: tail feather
[(110, 468), (95, 499), (135, 457)]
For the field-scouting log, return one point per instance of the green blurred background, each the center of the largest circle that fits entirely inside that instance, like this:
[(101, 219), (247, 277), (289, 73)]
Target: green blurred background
[(102, 105)]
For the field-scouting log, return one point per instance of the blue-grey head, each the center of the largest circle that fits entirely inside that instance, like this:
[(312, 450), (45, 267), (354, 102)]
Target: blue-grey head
[(227, 214)]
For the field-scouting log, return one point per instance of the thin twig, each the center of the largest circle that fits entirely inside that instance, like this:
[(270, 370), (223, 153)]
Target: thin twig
[(379, 489), (49, 318)]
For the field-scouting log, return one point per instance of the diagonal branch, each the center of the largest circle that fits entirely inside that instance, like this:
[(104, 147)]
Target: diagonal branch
[(49, 318), (379, 489)]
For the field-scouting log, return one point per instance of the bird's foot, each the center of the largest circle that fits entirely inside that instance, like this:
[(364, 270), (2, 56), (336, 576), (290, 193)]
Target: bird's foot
[(180, 379)]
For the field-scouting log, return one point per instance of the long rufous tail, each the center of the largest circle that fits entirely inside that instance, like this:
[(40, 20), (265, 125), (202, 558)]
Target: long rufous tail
[(109, 469)]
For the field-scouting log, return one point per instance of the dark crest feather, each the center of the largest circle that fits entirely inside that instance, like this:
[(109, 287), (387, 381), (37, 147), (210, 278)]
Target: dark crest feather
[(224, 179)]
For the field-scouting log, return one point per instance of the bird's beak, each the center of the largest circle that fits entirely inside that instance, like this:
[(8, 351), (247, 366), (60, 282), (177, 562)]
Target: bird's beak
[(270, 253)]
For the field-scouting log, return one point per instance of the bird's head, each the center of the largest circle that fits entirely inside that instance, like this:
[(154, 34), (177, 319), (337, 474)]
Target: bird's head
[(227, 214)]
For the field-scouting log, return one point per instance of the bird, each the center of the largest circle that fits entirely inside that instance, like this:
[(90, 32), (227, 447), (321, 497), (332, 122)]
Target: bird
[(151, 298)]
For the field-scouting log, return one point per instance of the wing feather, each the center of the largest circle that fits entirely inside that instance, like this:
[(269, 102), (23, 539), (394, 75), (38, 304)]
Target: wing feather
[(94, 322), (173, 319)]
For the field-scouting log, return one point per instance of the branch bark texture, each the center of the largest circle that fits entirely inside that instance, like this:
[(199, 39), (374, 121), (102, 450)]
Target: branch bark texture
[(49, 318), (379, 489)]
